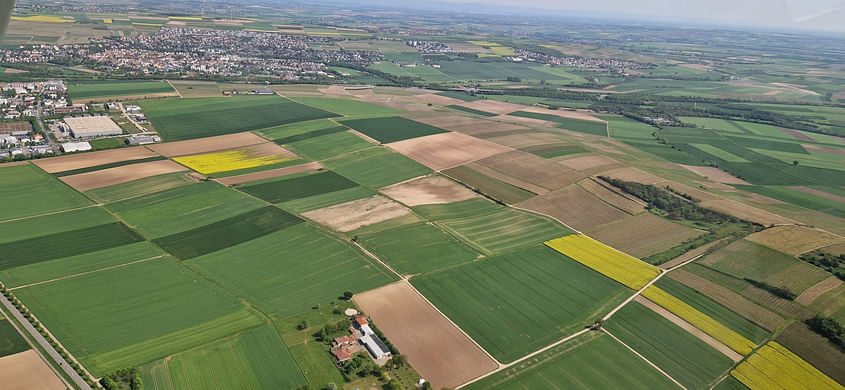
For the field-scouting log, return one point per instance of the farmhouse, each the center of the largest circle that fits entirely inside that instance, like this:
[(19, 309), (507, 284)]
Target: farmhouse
[(342, 354), (71, 147), (343, 341), (92, 126)]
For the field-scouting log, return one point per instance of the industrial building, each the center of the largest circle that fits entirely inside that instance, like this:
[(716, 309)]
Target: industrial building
[(71, 147), (92, 126)]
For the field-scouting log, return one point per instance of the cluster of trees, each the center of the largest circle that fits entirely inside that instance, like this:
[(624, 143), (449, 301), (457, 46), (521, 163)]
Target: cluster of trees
[(360, 366), (125, 378), (829, 328), (328, 332), (826, 261), (677, 206), (781, 292)]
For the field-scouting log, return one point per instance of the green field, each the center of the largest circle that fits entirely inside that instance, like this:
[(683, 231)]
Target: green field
[(226, 233), (308, 134), (102, 89), (377, 167), (327, 146), (183, 208), (591, 361), (20, 182), (292, 270), (278, 191), (139, 187), (346, 107), (76, 242), (253, 359), (581, 126), (11, 341), (491, 228), (714, 310), (302, 205), (119, 317), (471, 110), (495, 188), (391, 129), (294, 129), (799, 198), (90, 261), (719, 153), (683, 356), (516, 303), (23, 229), (106, 166), (417, 248), (181, 119)]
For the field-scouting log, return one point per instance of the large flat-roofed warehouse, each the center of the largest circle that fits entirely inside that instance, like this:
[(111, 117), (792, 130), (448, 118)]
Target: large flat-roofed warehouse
[(92, 126)]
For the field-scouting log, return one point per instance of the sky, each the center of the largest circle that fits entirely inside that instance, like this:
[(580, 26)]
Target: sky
[(828, 15)]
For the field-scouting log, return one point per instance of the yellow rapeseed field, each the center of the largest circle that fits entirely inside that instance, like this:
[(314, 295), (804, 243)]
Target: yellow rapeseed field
[(42, 18), (702, 321), (775, 367), (229, 160), (616, 265), (194, 18), (108, 21)]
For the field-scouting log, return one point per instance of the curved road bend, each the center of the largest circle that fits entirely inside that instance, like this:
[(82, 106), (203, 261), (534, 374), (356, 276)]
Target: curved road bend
[(78, 380)]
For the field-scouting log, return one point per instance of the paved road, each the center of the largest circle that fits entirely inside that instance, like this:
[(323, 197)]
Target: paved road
[(44, 344)]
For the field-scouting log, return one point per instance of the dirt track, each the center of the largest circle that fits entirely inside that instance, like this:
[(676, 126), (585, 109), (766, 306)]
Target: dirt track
[(438, 350)]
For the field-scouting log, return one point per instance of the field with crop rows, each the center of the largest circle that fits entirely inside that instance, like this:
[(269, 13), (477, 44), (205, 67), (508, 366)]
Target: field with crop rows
[(775, 367), (491, 228), (329, 145), (417, 248), (93, 89), (591, 361), (686, 358), (377, 167), (229, 160), (616, 265), (21, 181), (346, 107), (720, 332), (292, 270), (286, 189), (181, 119), (391, 129), (11, 341), (154, 308), (519, 302)]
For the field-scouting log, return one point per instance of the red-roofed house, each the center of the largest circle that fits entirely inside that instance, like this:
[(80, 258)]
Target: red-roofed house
[(342, 354), (361, 320), (343, 341)]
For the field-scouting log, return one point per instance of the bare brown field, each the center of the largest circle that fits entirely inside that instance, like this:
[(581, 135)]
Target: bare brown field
[(532, 169), (794, 240), (192, 89), (533, 122), (603, 147), (586, 162), (809, 295), (744, 211), (798, 135), (716, 186), (575, 207), (729, 298), (584, 115), (352, 215), (526, 139), (465, 124), (437, 99), (128, 97), (123, 174), (627, 204), (14, 163), (240, 179), (837, 249), (691, 254), (642, 235), (92, 159), (268, 149), (631, 174), (822, 194), (714, 174), (435, 347), (780, 305), (487, 171), (447, 150), (493, 106), (699, 334), (205, 145), (816, 148), (27, 371), (428, 190)]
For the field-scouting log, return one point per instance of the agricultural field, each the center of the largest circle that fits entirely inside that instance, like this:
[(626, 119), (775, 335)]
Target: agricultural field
[(516, 303), (329, 145), (140, 187), (180, 310), (814, 349), (591, 361), (237, 159), (616, 265), (391, 129), (581, 126), (182, 208), (347, 107), (136, 89), (255, 358), (487, 185), (286, 189), (686, 358), (774, 366), (490, 228), (204, 117), (11, 341), (20, 181), (376, 168), (291, 270)]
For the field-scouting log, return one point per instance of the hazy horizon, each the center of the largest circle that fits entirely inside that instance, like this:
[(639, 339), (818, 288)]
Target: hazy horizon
[(822, 15)]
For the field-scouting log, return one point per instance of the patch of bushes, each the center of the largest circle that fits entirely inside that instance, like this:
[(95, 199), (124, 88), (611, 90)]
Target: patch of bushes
[(828, 328), (781, 292), (826, 261)]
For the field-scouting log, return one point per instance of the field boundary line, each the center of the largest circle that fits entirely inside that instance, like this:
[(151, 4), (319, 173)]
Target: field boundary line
[(174, 88), (53, 212), (644, 359), (86, 272)]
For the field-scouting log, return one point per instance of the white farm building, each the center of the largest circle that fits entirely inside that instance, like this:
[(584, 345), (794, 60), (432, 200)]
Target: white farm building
[(92, 126)]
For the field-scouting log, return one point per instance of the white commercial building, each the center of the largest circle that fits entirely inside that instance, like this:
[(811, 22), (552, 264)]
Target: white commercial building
[(71, 147), (92, 126)]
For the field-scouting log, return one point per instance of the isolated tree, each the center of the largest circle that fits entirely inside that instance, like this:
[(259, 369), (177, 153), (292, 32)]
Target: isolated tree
[(795, 162), (347, 295)]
